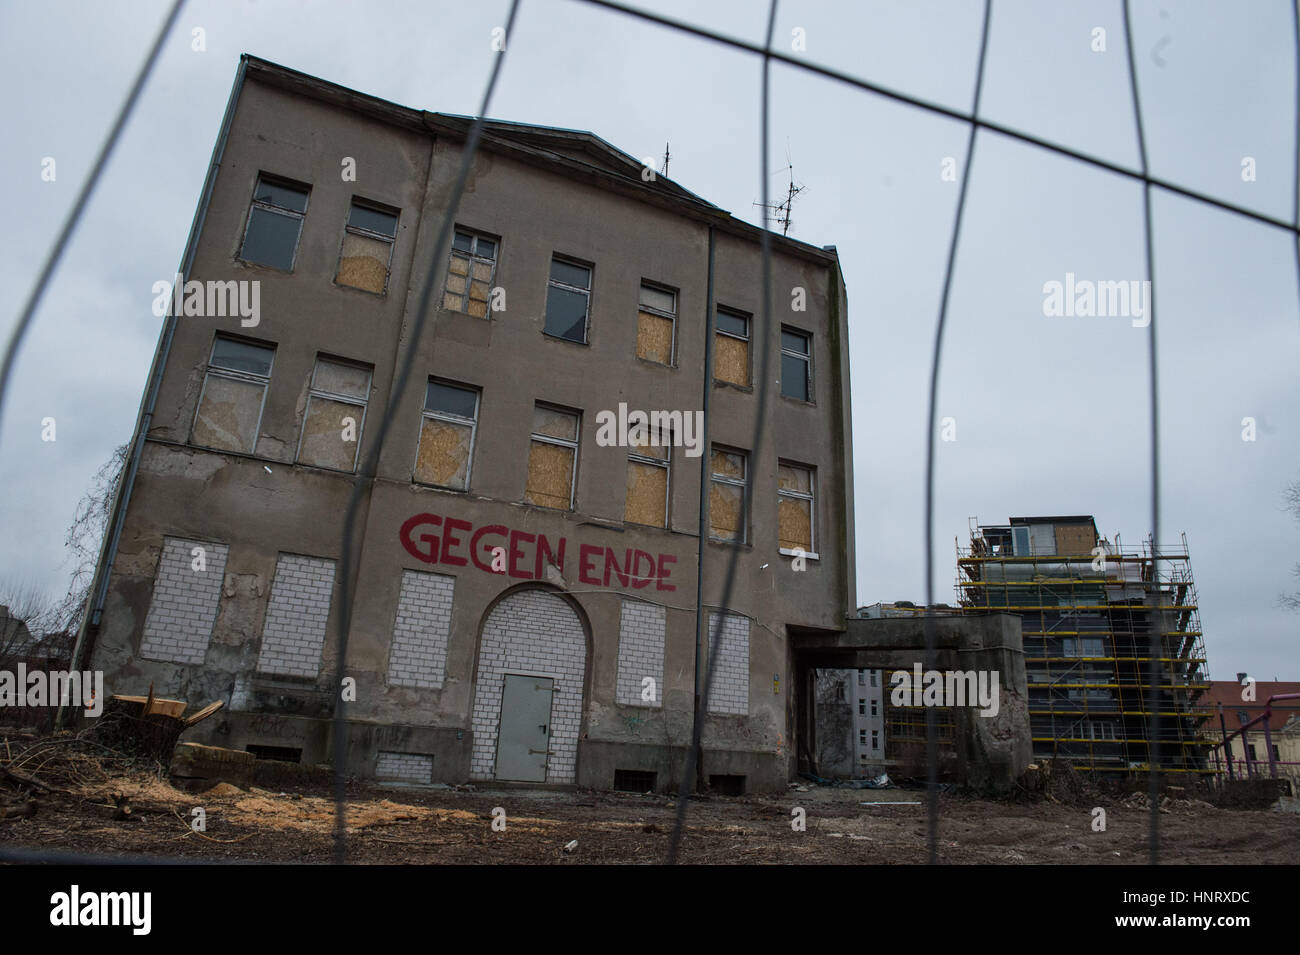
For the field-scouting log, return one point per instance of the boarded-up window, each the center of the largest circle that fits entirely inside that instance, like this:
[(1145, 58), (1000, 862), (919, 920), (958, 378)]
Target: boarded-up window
[(274, 223), (447, 435), (796, 364), (731, 348), (336, 412), (794, 508), (367, 248), (552, 458), (230, 408), (469, 272), (656, 325), (727, 495), (648, 463), (568, 295)]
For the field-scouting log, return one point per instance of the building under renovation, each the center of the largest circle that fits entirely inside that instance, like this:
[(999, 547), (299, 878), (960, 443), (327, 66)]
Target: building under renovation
[(567, 474), (1089, 608)]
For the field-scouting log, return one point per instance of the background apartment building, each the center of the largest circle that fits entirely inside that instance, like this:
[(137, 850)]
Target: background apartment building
[(1089, 609), (525, 592)]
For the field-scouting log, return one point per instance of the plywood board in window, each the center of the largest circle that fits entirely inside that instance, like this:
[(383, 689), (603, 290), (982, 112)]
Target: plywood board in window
[(731, 360), (794, 523), (647, 488), (444, 454), (654, 338), (364, 263), (550, 475)]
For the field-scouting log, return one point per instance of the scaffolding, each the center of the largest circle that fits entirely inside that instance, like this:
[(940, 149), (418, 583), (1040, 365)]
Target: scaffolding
[(1088, 609)]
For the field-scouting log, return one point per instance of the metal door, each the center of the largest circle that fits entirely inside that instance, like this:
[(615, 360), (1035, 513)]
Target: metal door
[(524, 736)]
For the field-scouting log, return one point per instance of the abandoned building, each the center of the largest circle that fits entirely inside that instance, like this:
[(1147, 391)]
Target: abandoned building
[(1089, 608), (532, 551)]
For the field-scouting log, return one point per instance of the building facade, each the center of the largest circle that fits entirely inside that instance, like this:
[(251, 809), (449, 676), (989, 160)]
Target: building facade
[(527, 551)]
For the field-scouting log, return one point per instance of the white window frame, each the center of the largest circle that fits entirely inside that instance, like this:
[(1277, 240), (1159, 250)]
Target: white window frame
[(743, 484), (666, 463), (232, 374), (349, 229), (474, 235), (266, 206), (671, 316), (810, 497), (586, 317), (746, 338), (451, 419), (562, 442), (805, 357), (314, 392)]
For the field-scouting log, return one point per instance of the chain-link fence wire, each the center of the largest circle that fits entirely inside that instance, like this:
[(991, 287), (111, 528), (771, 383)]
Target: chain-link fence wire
[(976, 125)]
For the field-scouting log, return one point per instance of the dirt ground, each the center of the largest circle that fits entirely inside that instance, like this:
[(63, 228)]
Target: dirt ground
[(425, 825)]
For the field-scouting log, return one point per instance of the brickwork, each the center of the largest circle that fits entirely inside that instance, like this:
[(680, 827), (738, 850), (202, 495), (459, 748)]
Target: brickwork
[(730, 691), (404, 767), (419, 654), (179, 623), (296, 616), (538, 633), (640, 652)]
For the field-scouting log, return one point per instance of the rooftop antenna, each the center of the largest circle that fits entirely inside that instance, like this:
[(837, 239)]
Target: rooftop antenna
[(667, 156), (780, 211)]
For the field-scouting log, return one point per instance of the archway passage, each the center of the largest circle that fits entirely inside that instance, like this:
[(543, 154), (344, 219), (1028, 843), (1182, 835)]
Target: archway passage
[(532, 652)]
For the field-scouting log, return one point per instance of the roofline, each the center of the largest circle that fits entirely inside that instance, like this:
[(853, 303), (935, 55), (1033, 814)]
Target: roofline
[(678, 199)]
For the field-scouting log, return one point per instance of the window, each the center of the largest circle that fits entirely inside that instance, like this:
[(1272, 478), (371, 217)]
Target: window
[(862, 737), (862, 707), (1099, 731), (727, 495), (230, 407), (336, 411), (274, 223), (552, 458), (656, 325), (568, 296), (731, 348), (873, 708), (447, 435), (794, 509), (1021, 537), (875, 739), (367, 247), (796, 364), (862, 678), (1083, 647), (1251, 748), (470, 272), (648, 467), (873, 677)]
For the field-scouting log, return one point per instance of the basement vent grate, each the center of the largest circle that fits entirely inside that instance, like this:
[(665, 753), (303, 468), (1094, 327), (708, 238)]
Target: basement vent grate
[(728, 785), (634, 780), (283, 754)]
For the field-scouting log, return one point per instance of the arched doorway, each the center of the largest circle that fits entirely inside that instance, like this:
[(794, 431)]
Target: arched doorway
[(532, 658)]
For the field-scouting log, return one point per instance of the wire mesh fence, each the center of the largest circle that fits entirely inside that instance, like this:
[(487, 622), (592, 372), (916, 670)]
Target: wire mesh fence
[(425, 323)]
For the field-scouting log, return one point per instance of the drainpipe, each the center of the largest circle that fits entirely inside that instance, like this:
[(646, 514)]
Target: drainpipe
[(701, 644), (144, 419)]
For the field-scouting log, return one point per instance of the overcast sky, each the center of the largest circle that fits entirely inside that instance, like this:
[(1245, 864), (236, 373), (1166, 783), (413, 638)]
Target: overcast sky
[(1050, 413)]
